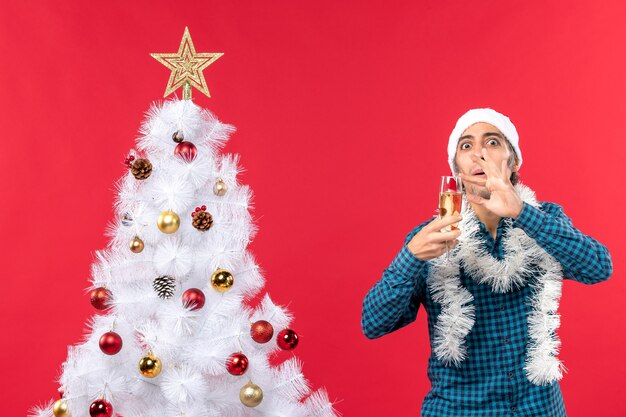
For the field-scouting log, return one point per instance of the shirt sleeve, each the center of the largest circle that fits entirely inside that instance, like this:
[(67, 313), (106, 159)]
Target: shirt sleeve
[(583, 258), (393, 301)]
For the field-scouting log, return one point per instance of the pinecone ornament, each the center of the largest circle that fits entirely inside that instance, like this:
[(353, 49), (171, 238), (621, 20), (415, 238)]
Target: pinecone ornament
[(141, 169), (164, 286), (202, 219)]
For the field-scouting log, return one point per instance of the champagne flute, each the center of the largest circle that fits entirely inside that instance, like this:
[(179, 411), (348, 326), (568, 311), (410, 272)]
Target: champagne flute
[(450, 202)]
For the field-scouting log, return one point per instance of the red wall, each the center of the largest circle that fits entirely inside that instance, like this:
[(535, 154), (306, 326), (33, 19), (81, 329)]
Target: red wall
[(343, 111)]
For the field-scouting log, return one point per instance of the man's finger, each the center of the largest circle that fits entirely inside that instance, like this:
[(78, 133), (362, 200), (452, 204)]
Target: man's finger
[(476, 198), (440, 223), (487, 169), (451, 245), (506, 171), (487, 159), (448, 220), (445, 236), (488, 166)]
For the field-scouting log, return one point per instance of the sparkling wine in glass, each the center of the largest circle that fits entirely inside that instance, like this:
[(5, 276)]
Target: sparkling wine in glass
[(450, 201)]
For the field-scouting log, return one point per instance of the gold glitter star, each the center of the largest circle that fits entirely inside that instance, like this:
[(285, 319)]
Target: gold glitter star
[(187, 66)]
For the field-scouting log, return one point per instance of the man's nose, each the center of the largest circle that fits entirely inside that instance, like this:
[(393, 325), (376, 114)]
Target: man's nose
[(478, 151)]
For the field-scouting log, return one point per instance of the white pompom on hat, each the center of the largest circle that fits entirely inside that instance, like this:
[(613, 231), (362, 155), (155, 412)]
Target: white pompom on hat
[(490, 116)]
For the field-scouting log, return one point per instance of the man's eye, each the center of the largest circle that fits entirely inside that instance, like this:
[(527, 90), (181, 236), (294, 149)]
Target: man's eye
[(493, 142), (465, 145)]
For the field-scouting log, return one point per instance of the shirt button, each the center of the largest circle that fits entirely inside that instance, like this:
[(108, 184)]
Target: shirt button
[(506, 341), (501, 307), (510, 374), (514, 409)]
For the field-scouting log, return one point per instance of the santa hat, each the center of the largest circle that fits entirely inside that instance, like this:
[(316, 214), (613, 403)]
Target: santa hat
[(490, 116)]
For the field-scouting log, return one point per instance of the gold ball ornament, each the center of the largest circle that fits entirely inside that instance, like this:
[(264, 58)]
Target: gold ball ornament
[(222, 280), (136, 245), (168, 222), (150, 366), (220, 188), (251, 395), (59, 409)]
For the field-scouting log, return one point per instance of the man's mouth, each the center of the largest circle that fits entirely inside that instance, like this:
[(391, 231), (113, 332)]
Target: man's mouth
[(478, 172)]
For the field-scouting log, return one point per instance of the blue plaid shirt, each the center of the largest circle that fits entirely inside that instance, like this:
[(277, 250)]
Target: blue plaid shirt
[(491, 381)]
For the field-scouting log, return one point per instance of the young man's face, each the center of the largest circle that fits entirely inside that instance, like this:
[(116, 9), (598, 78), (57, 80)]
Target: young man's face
[(473, 140)]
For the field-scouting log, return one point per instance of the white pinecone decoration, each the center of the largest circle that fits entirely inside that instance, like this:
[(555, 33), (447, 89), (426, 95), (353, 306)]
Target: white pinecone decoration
[(164, 286)]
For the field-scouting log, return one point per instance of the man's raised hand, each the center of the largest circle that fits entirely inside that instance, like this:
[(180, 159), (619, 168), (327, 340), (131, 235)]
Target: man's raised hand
[(431, 242), (504, 200)]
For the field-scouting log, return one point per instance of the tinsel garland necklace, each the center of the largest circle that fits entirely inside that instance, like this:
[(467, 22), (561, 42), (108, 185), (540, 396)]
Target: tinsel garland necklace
[(523, 258)]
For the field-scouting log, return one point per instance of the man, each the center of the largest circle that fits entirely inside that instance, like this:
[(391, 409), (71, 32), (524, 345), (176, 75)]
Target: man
[(492, 304)]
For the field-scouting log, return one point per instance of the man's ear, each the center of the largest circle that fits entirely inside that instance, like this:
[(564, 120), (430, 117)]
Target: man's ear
[(516, 165)]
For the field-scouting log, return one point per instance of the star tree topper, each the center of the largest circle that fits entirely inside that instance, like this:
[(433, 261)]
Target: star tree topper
[(187, 66)]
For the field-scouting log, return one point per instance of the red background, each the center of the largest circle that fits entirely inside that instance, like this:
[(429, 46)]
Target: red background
[(343, 111)]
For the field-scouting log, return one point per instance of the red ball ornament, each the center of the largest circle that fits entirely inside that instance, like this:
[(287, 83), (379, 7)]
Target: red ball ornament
[(100, 298), (261, 331), (100, 408), (110, 343), (186, 150), (193, 299), (287, 339), (237, 364)]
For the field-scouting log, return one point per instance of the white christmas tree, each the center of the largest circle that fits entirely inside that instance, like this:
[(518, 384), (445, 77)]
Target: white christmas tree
[(176, 336)]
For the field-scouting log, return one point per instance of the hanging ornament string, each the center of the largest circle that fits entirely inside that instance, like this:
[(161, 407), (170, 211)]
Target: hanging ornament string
[(523, 258)]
